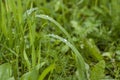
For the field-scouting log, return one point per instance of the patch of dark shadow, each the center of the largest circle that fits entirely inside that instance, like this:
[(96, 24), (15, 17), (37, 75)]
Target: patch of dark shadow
[(72, 70), (48, 0)]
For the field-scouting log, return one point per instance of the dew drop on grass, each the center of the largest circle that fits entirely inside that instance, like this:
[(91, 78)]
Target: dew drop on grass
[(46, 16), (51, 34), (64, 40)]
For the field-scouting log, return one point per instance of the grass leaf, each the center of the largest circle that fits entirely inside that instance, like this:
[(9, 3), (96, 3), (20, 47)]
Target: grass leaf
[(5, 71), (80, 61), (97, 72), (46, 71)]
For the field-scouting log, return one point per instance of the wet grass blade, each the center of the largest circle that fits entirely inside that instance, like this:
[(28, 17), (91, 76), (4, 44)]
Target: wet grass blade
[(42, 16), (80, 61)]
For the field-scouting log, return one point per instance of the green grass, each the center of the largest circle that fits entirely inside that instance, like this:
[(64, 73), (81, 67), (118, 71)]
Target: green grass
[(59, 40)]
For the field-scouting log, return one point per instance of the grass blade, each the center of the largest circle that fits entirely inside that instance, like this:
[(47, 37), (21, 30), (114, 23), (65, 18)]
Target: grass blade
[(56, 23), (5, 71), (27, 60), (46, 71), (80, 61)]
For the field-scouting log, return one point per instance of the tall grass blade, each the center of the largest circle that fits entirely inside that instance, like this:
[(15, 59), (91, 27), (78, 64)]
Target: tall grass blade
[(80, 61), (56, 23), (27, 60), (3, 20)]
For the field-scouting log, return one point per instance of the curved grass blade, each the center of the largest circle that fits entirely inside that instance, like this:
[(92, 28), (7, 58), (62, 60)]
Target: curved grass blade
[(80, 61), (28, 12), (42, 16), (56, 23)]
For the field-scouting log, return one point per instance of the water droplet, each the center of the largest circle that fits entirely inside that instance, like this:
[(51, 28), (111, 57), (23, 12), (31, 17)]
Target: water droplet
[(64, 40), (47, 16), (52, 34)]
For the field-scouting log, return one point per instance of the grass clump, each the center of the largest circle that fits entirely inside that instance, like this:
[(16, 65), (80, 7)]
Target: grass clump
[(59, 40)]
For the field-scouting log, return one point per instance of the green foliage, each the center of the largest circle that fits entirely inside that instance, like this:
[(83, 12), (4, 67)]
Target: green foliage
[(89, 28), (80, 61), (46, 71), (97, 72), (6, 72), (91, 51)]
